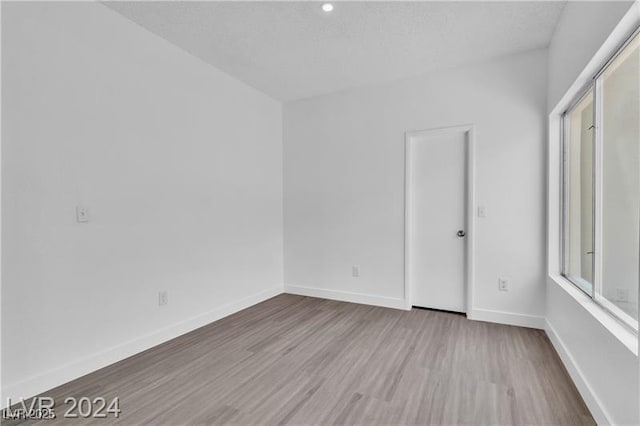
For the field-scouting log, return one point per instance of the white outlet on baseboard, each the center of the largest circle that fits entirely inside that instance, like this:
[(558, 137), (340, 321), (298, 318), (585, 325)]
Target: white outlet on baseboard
[(355, 271), (503, 284), (163, 298)]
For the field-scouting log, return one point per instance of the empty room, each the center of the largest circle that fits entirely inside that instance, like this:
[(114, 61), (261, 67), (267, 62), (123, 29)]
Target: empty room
[(320, 213)]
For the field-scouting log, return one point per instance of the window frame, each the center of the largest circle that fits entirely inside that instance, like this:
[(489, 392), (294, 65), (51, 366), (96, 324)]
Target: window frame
[(565, 182), (594, 86)]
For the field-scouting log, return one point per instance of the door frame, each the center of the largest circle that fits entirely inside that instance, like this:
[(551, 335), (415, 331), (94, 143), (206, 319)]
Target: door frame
[(469, 130)]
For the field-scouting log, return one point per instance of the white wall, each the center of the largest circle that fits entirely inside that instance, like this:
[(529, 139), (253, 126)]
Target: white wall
[(179, 164), (344, 183), (604, 368)]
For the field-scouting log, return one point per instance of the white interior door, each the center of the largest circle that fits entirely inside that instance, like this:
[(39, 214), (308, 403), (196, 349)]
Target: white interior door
[(437, 239)]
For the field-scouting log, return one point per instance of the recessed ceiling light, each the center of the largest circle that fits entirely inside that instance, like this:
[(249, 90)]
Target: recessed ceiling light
[(327, 7)]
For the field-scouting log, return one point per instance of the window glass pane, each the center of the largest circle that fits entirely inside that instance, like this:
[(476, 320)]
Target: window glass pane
[(621, 180), (578, 246)]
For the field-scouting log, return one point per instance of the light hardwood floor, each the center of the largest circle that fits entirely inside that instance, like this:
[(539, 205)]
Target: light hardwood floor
[(301, 360)]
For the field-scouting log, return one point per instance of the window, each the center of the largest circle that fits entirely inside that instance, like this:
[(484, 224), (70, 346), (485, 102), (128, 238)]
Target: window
[(578, 261), (601, 187)]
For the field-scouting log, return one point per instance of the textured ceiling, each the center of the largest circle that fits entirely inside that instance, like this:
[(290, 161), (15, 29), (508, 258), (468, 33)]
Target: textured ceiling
[(293, 50)]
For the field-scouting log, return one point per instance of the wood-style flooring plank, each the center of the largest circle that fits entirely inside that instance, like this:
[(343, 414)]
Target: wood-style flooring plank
[(304, 361)]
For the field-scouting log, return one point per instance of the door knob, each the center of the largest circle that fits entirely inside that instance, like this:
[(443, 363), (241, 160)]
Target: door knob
[(461, 233)]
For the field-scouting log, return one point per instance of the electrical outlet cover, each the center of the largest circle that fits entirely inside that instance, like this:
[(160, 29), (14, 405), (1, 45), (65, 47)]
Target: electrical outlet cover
[(82, 214), (355, 271), (163, 298), (503, 284), (622, 294)]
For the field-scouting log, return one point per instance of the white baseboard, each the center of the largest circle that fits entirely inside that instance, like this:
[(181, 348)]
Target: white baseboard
[(346, 296), (593, 402), (509, 318), (75, 369)]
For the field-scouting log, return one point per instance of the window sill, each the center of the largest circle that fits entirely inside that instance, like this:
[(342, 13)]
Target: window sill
[(624, 334)]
